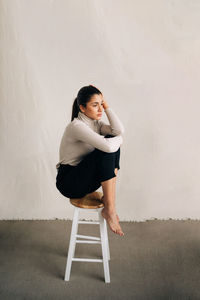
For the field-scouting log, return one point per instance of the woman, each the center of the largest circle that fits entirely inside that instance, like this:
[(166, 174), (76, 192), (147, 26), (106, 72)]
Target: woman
[(90, 152)]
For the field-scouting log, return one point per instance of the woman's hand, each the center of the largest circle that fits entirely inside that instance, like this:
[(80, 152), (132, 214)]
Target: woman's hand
[(105, 104)]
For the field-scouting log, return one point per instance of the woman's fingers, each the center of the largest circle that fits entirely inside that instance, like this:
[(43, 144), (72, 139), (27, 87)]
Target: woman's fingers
[(105, 104)]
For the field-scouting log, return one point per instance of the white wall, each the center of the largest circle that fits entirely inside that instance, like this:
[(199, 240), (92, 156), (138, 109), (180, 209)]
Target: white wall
[(144, 57)]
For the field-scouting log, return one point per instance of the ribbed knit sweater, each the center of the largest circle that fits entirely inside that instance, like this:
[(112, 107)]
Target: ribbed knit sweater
[(83, 135)]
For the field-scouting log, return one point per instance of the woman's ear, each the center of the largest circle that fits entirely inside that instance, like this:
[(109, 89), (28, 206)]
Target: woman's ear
[(82, 108)]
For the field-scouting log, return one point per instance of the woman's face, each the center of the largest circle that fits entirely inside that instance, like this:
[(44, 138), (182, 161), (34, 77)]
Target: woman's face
[(94, 107)]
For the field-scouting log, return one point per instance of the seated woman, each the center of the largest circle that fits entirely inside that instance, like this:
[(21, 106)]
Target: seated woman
[(90, 153)]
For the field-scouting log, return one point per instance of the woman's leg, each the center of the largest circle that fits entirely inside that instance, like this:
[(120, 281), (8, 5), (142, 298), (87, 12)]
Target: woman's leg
[(114, 189), (109, 210), (86, 177), (111, 161), (110, 194)]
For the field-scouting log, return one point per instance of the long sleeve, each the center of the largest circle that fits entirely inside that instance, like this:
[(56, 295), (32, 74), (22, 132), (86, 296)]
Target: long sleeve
[(115, 128), (84, 133)]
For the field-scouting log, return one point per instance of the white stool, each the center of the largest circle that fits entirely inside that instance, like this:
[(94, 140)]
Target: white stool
[(91, 202)]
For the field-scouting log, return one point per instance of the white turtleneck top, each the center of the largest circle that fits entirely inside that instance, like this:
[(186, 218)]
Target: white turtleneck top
[(84, 134)]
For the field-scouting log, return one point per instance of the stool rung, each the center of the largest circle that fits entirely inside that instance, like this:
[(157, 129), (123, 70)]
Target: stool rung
[(88, 237), (88, 242), (87, 259), (88, 222)]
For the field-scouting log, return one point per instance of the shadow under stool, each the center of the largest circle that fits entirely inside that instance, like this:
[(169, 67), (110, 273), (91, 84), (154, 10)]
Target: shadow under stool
[(91, 202)]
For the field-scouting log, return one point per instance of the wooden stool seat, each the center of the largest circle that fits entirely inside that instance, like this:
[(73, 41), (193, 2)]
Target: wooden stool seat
[(91, 201)]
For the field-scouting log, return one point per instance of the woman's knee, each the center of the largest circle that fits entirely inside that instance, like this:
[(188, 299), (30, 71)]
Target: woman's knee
[(107, 154)]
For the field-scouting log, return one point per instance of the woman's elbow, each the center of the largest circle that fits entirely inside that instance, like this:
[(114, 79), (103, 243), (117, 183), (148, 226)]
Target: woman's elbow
[(119, 131)]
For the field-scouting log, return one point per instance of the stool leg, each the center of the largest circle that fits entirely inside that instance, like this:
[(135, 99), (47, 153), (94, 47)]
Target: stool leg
[(72, 243), (107, 242), (76, 231), (104, 246)]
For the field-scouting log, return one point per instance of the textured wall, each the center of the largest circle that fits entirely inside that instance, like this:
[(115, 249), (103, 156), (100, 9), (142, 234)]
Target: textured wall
[(144, 57)]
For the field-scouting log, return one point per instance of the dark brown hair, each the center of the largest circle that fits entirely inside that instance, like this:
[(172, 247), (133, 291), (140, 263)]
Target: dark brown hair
[(84, 95)]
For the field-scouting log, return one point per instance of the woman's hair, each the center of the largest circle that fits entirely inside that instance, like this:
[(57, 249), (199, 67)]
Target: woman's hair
[(84, 95)]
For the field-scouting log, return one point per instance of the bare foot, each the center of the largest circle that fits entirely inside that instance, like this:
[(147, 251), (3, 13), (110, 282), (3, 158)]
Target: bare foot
[(112, 221), (116, 214)]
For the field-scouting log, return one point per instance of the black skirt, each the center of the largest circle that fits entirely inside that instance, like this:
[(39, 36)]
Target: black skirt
[(86, 177)]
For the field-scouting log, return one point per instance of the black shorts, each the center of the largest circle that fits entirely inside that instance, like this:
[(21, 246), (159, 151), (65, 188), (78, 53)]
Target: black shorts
[(86, 177)]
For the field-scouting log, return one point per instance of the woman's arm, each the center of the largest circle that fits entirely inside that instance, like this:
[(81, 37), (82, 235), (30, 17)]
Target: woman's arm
[(116, 127), (84, 133)]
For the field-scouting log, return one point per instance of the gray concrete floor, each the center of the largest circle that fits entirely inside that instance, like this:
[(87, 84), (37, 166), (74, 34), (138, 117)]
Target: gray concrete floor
[(154, 260)]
